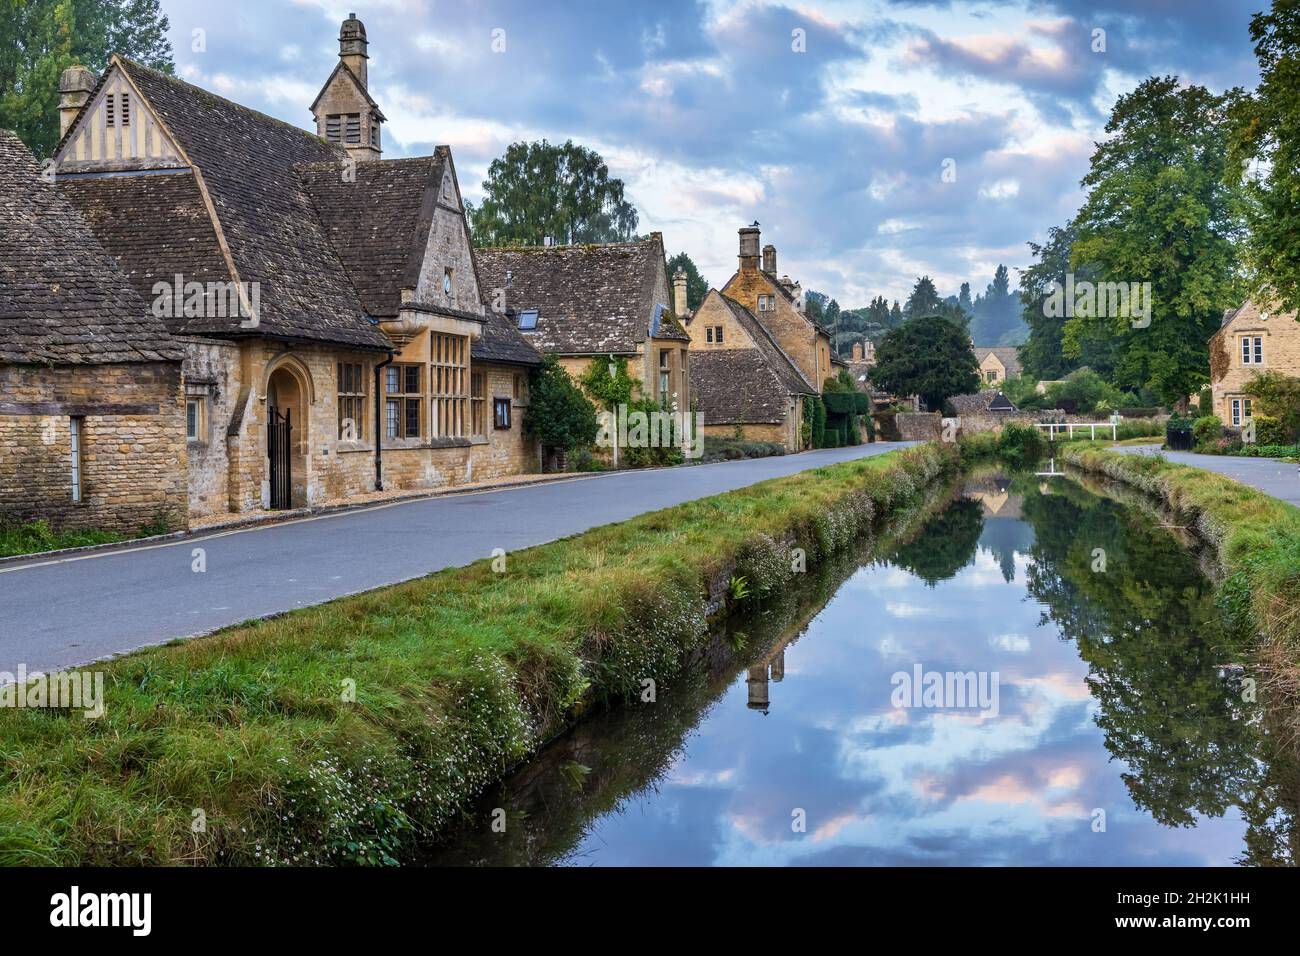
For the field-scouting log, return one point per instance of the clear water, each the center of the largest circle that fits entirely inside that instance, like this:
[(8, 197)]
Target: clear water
[(1118, 736)]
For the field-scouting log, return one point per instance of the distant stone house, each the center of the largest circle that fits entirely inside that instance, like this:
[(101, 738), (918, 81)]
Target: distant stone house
[(588, 302), (92, 421), (779, 305), (744, 380), (322, 296), (997, 363), (1250, 340)]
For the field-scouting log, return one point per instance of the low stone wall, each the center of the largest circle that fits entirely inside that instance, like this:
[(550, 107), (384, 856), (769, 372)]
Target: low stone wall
[(918, 426)]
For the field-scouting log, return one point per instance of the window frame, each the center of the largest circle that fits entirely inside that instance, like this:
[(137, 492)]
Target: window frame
[(500, 413), (76, 441), (351, 397), (478, 402), (195, 402), (397, 424), (1252, 350), (449, 385)]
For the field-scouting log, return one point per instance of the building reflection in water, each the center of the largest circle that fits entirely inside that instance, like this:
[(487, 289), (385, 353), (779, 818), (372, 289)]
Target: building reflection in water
[(770, 669)]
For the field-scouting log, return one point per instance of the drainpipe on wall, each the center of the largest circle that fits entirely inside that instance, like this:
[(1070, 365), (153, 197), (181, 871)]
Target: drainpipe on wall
[(379, 432)]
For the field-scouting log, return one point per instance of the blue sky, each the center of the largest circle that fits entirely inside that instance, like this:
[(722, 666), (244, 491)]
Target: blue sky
[(713, 120)]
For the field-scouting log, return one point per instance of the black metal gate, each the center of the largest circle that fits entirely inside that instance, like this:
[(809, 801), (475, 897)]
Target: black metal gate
[(279, 437)]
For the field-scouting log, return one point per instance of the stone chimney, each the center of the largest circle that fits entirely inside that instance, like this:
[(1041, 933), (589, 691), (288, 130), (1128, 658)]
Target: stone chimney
[(857, 351), (74, 89), (352, 47), (749, 236), (769, 259), (679, 294)]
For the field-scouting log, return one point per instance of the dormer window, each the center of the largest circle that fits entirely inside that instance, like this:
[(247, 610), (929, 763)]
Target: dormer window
[(528, 319)]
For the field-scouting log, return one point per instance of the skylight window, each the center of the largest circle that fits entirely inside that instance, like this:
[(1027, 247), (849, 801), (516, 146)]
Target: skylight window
[(528, 319)]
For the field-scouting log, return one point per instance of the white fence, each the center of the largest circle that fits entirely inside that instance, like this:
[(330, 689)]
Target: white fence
[(1052, 428)]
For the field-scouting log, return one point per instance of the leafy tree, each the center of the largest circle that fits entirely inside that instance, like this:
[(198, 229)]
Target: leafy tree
[(895, 316), (1085, 391), (1266, 135), (946, 543), (537, 190), (559, 415), (1159, 211), (696, 285), (929, 356), (924, 299), (39, 39), (815, 304), (964, 299)]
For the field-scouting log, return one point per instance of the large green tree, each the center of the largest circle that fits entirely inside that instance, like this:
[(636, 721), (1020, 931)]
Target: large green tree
[(39, 39), (697, 287), (1159, 210), (537, 190), (1264, 157), (930, 356)]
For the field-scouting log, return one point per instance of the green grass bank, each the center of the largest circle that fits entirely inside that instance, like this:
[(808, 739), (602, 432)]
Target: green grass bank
[(353, 732), (1256, 539)]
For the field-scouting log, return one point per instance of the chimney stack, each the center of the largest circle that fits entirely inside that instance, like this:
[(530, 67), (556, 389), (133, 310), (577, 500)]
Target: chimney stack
[(74, 89), (679, 294), (749, 236), (769, 259), (352, 47)]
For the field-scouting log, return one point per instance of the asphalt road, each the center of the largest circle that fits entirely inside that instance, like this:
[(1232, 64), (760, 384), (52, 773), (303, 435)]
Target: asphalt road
[(1277, 478), (56, 613)]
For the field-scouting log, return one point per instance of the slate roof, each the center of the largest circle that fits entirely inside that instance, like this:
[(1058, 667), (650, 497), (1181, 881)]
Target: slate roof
[(503, 343), (373, 222), (749, 385), (989, 400), (123, 212), (62, 298), (591, 299), (1008, 355), (246, 161)]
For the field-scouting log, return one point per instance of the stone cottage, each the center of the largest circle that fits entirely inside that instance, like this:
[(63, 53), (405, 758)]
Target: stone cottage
[(92, 421), (744, 381), (997, 363), (323, 297), (779, 305), (588, 302), (1251, 339)]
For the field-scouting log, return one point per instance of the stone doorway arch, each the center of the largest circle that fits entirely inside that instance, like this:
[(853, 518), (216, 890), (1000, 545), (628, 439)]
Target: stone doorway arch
[(288, 403)]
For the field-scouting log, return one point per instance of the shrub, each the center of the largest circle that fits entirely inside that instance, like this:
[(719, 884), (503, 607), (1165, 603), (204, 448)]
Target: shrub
[(1020, 444), (1206, 429), (1269, 431)]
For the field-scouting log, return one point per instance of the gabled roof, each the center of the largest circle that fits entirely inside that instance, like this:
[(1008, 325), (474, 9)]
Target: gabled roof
[(737, 386), (62, 298), (378, 224), (989, 400), (1008, 355), (787, 372), (747, 385), (356, 81), (245, 162), (591, 299)]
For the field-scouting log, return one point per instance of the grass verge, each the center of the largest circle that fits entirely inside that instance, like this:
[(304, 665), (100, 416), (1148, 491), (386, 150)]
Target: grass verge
[(1257, 542), (248, 747)]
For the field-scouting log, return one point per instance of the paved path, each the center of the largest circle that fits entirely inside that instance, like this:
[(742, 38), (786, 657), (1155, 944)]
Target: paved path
[(1277, 478), (60, 612)]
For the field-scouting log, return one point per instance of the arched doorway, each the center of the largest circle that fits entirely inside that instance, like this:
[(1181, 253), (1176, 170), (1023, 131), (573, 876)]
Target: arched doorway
[(286, 438)]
